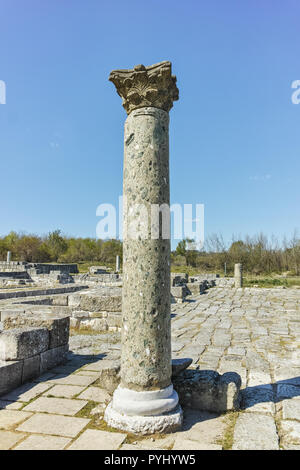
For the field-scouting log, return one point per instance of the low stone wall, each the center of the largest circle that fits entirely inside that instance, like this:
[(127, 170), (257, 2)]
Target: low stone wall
[(29, 346), (225, 282), (37, 292)]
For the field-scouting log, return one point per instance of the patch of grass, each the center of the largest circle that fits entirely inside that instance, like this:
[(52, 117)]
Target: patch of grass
[(227, 440), (84, 266), (271, 282)]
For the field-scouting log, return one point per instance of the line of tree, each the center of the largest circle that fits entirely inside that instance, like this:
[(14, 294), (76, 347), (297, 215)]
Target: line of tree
[(58, 248), (258, 254)]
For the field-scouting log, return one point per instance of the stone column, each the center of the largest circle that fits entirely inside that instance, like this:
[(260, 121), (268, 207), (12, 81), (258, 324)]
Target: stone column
[(145, 401), (118, 266), (238, 275), (8, 259)]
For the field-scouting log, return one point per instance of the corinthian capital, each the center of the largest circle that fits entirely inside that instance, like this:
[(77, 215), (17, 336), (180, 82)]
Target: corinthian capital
[(146, 86)]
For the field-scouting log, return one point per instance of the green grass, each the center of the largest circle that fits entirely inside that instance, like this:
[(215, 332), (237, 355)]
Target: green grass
[(230, 421), (84, 266), (271, 281)]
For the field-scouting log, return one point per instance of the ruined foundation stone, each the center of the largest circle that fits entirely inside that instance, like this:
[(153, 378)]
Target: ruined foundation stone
[(145, 401), (238, 275), (118, 264)]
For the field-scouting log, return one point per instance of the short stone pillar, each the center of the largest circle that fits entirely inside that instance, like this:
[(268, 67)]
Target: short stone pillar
[(8, 259), (238, 275), (118, 264), (145, 401)]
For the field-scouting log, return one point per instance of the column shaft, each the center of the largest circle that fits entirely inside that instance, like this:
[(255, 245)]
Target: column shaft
[(146, 342)]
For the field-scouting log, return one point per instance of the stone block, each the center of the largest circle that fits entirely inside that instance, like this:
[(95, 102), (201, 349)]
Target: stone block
[(31, 368), (179, 365), (53, 357), (21, 343), (208, 391), (10, 375), (195, 287), (58, 325), (96, 302), (61, 300)]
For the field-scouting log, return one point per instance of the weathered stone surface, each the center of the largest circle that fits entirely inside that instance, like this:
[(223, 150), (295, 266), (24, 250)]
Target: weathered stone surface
[(21, 343), (35, 442), (26, 392), (31, 368), (73, 379), (178, 365), (290, 431), (10, 405), (64, 391), (188, 444), (168, 422), (58, 326), (146, 86), (92, 439), (258, 399), (56, 425), (8, 439), (52, 358), (95, 394), (10, 375), (146, 346), (95, 301), (255, 432), (291, 408), (10, 418), (61, 406), (238, 275), (208, 390), (195, 287)]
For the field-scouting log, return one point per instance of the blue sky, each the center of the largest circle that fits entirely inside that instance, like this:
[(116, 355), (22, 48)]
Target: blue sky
[(234, 133)]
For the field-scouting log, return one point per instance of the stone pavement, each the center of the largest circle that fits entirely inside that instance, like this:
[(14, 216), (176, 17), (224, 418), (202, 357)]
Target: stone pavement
[(254, 332)]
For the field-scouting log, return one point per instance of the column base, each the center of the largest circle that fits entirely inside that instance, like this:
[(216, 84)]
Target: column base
[(146, 412)]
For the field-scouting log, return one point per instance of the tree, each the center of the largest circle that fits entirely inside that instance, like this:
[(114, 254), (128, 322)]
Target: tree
[(57, 244)]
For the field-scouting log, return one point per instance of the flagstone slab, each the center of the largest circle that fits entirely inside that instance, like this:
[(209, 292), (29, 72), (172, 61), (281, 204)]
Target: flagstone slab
[(255, 431), (188, 444), (92, 439), (64, 391), (291, 409), (35, 442), (95, 394), (57, 425), (27, 392), (10, 405), (8, 439), (10, 418), (61, 406), (73, 379), (290, 431)]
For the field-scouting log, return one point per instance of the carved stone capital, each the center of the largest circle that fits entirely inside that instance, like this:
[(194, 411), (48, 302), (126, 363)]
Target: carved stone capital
[(146, 86)]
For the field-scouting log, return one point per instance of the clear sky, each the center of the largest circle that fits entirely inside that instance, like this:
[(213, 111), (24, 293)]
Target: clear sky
[(234, 133)]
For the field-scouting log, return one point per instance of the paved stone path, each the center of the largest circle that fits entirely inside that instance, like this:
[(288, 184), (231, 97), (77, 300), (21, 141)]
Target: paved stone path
[(254, 332)]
